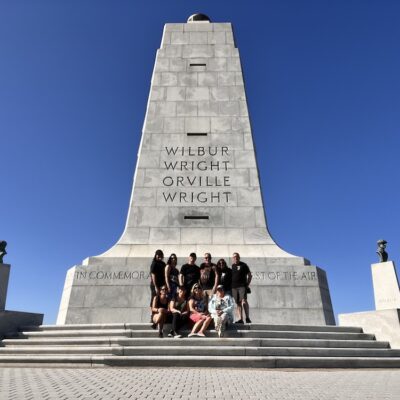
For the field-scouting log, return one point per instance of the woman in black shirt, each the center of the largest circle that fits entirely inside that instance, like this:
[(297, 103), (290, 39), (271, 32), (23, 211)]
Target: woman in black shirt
[(171, 276), (157, 276), (159, 310)]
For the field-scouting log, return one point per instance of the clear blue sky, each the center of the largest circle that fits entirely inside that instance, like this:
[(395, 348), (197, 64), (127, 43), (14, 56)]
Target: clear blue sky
[(323, 84)]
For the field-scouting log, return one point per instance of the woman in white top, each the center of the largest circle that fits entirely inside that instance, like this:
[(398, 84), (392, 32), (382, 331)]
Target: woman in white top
[(221, 307)]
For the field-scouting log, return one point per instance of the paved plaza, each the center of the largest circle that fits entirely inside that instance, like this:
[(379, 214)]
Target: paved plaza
[(195, 383)]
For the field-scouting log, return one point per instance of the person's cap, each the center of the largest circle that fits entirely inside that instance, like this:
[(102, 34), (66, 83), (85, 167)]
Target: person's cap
[(220, 287)]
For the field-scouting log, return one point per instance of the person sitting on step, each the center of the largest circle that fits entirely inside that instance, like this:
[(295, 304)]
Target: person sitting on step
[(179, 309), (221, 307), (198, 312), (160, 310)]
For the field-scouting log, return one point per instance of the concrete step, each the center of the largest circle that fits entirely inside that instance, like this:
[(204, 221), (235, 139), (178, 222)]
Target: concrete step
[(76, 333), (200, 361), (195, 341), (250, 361), (199, 350), (46, 350), (230, 333), (257, 351), (145, 326)]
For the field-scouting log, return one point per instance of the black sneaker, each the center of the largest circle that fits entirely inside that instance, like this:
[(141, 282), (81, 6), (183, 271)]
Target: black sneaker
[(239, 322), (171, 334), (160, 334), (153, 326), (248, 321)]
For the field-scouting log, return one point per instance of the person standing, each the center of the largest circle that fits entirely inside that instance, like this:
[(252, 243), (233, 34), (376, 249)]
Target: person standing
[(172, 275), (225, 276), (157, 275), (241, 278), (189, 274), (208, 276)]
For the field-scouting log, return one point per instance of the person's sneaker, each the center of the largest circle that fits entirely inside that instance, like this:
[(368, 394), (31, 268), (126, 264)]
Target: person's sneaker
[(240, 321), (160, 334), (177, 336), (201, 334), (192, 334), (171, 334), (153, 326), (248, 321)]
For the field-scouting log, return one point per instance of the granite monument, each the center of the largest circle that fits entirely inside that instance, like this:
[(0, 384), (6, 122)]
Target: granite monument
[(196, 189)]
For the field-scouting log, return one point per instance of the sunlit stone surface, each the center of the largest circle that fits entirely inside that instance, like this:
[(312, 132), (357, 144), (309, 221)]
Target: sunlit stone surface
[(196, 159)]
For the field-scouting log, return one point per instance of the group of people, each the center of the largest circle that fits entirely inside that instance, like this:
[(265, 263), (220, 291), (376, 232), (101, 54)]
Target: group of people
[(197, 295)]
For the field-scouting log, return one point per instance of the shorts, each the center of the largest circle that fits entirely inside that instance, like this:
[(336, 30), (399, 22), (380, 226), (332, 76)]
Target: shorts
[(195, 317), (239, 294)]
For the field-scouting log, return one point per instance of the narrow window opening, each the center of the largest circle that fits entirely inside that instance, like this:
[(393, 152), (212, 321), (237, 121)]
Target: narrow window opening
[(197, 134), (196, 217)]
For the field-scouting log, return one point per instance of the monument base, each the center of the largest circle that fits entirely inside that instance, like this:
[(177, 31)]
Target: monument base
[(12, 321), (111, 290), (385, 324)]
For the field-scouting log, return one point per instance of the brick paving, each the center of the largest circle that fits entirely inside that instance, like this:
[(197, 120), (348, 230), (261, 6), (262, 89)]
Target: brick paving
[(197, 383)]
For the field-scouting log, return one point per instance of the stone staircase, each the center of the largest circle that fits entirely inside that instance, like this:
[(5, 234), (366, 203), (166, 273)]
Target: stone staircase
[(254, 346)]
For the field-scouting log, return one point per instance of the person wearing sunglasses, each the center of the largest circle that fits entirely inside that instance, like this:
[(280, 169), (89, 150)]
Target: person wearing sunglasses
[(198, 312)]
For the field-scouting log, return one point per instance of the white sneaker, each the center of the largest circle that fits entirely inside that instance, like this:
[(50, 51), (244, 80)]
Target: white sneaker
[(192, 334), (177, 336)]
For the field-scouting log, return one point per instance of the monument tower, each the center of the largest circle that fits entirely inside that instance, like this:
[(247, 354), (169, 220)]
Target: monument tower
[(196, 189)]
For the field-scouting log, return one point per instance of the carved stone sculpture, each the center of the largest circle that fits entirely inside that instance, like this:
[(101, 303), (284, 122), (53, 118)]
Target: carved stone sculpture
[(3, 245), (383, 256)]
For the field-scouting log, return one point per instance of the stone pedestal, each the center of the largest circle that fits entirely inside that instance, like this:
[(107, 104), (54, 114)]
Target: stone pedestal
[(386, 286), (384, 322), (10, 321), (4, 276), (196, 189)]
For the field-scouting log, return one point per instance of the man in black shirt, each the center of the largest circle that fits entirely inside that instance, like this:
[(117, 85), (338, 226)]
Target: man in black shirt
[(225, 276), (241, 278), (208, 276), (190, 274)]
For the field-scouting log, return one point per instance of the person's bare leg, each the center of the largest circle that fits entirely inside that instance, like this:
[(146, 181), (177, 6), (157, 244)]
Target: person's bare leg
[(207, 322), (162, 316), (240, 310), (196, 326), (245, 306)]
